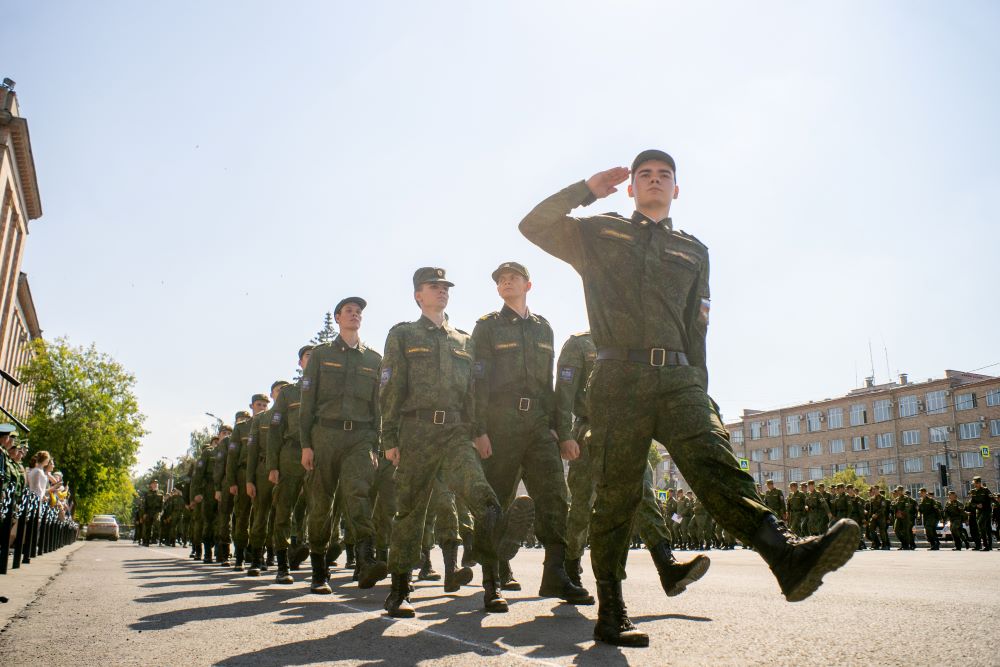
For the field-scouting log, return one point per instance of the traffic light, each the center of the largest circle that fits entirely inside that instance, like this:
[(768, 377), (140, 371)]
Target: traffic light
[(943, 470)]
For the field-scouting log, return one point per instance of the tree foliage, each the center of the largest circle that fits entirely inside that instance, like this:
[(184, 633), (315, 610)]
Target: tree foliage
[(849, 476), (86, 415), (327, 333)]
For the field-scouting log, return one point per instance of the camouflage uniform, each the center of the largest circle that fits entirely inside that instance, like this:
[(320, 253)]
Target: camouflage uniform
[(224, 515), (203, 484), (262, 507), (152, 506), (284, 454), (797, 512), (236, 475), (982, 500)]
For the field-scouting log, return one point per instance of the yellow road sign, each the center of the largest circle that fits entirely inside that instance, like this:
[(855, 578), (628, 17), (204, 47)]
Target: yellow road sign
[(985, 452), (744, 464)]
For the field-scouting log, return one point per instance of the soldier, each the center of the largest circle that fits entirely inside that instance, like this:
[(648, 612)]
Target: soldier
[(775, 499), (339, 428), (669, 510), (284, 464), (900, 509), (840, 505), (930, 512), (193, 508), (647, 294), (956, 517), (203, 488), (796, 515), (260, 489), (817, 511), (224, 494), (686, 509), (236, 477), (515, 410), (428, 411), (152, 506), (856, 512), (981, 498)]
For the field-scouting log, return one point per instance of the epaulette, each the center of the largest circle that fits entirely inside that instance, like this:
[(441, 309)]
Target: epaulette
[(614, 215), (582, 333), (398, 324), (495, 315), (692, 238), (541, 317)]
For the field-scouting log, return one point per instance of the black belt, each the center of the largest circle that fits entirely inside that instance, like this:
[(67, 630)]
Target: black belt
[(436, 416), (522, 403), (656, 356), (344, 424)]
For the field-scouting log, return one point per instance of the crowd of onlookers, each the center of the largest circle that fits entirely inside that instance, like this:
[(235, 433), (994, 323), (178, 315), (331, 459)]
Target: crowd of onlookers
[(47, 483)]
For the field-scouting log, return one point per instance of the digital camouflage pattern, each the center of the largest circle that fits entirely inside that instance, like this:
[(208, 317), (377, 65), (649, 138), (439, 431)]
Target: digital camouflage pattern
[(262, 508), (284, 454), (236, 475)]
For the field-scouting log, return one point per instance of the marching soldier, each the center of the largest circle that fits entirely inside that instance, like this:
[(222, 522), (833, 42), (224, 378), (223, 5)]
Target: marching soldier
[(796, 506), (774, 498), (981, 498), (152, 505), (260, 489), (224, 494), (956, 517), (236, 477), (930, 512)]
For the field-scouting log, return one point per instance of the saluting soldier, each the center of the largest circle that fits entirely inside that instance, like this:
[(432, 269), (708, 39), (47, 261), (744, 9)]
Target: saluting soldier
[(260, 489), (236, 477), (339, 425), (647, 294), (515, 412), (428, 412)]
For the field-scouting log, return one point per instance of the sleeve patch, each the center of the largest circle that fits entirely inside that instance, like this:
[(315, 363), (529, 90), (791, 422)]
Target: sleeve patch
[(276, 418), (232, 446), (478, 370), (706, 305), (566, 374), (386, 374), (306, 384)]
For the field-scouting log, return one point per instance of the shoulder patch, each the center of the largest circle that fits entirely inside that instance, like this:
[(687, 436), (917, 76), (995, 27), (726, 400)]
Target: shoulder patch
[(692, 238), (232, 446), (566, 374), (276, 418), (306, 384), (386, 375)]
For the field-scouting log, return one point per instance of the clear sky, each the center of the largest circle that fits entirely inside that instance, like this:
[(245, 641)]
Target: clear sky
[(215, 176)]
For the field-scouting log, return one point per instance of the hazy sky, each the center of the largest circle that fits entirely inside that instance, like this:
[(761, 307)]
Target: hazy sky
[(215, 176)]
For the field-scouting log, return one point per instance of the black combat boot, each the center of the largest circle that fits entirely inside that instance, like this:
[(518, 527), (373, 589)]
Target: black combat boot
[(351, 561), (333, 553), (196, 551), (240, 554), (320, 575), (370, 570), (382, 555), (468, 545), (283, 576), (799, 564), (613, 624), (397, 604), (269, 561), (256, 556), (222, 554), (508, 581), (556, 583), (454, 576), (208, 552), (574, 569), (515, 527), (427, 571), (297, 554), (675, 576), (493, 600)]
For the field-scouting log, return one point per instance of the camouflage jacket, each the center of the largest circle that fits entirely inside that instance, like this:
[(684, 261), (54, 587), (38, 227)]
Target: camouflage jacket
[(284, 427), (576, 361)]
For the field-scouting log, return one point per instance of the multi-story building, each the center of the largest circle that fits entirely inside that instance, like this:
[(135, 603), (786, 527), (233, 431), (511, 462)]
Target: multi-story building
[(901, 432), (20, 203)]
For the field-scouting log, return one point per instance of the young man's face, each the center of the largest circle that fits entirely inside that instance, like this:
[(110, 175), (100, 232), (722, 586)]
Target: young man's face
[(512, 285), (349, 317), (432, 295), (304, 359), (653, 185), (258, 407)]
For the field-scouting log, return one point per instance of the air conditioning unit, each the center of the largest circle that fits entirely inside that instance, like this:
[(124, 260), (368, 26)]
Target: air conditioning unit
[(822, 418), (951, 429), (947, 392), (920, 406), (982, 420)]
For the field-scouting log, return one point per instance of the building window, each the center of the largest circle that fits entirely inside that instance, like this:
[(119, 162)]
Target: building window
[(993, 398), (938, 433), (794, 451), (773, 428), (756, 477), (911, 437), (885, 440), (816, 473), (971, 459), (814, 448), (995, 427), (837, 446), (757, 455), (737, 436), (936, 402), (883, 410), (938, 460), (887, 467), (813, 421), (862, 468), (835, 418), (755, 430), (774, 454), (795, 474), (965, 401), (792, 424), (859, 443), (915, 464), (908, 406), (914, 489), (970, 430), (776, 476), (859, 415)]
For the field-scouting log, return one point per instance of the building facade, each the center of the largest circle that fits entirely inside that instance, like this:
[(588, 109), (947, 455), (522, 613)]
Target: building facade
[(20, 203), (900, 433)]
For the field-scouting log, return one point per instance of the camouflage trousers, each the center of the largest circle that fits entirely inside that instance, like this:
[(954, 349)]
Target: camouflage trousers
[(583, 491), (426, 451), (242, 507), (343, 469), (632, 404), (383, 497), (209, 513), (224, 518), (442, 525), (524, 448), (291, 476), (262, 511), (816, 522), (151, 527), (195, 523), (797, 523)]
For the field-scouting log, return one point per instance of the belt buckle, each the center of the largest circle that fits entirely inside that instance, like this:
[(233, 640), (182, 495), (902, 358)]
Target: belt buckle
[(439, 416), (524, 404), (658, 354), (348, 425)]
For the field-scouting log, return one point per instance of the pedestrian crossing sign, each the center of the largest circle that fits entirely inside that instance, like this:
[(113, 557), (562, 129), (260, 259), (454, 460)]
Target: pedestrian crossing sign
[(985, 452), (744, 464), (661, 496)]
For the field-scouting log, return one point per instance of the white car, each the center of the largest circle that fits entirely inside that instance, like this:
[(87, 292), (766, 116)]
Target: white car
[(103, 525)]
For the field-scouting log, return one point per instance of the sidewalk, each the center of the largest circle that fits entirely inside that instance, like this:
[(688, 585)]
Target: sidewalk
[(22, 586)]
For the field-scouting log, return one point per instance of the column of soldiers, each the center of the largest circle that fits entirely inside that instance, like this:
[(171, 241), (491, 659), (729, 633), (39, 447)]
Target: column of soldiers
[(429, 442)]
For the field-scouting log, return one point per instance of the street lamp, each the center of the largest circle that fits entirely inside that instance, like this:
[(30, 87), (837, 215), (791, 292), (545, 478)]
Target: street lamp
[(218, 419)]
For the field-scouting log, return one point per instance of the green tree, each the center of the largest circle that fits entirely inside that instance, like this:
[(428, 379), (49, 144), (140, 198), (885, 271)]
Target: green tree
[(86, 415), (199, 439), (849, 476), (327, 333)]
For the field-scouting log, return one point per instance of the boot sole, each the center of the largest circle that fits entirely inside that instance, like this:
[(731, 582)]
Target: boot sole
[(494, 608), (840, 550), (511, 586), (401, 613), (633, 639), (429, 577), (325, 590), (462, 577), (516, 524), (373, 575), (699, 568)]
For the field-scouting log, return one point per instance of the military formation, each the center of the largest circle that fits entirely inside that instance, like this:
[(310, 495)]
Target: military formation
[(384, 455)]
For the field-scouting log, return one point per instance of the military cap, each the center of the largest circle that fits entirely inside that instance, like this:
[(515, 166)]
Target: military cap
[(361, 303), (795, 484), (821, 484), (906, 492), (7, 429), (304, 349), (977, 478), (516, 267), (225, 427), (242, 415), (653, 154), (849, 486), (923, 488), (430, 274), (259, 397), (899, 487), (810, 482), (154, 481), (278, 383), (840, 485)]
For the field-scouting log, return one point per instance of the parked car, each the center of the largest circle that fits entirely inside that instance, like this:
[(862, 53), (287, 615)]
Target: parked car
[(103, 525)]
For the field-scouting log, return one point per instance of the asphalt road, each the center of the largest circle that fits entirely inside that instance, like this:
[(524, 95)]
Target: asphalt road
[(117, 603)]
